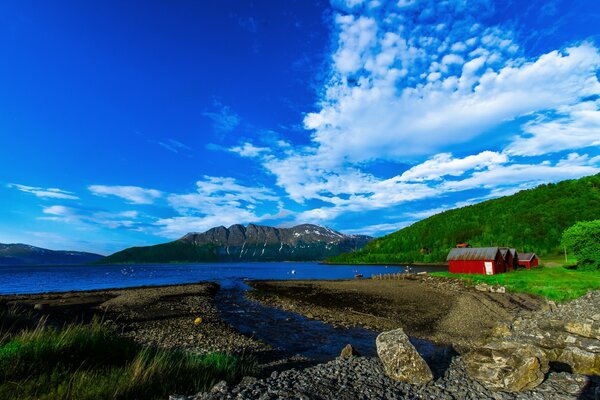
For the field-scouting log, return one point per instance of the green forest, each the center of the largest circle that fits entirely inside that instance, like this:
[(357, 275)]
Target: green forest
[(531, 220)]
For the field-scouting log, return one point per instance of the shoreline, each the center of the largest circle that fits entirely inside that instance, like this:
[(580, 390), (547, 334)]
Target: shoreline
[(161, 316), (441, 310)]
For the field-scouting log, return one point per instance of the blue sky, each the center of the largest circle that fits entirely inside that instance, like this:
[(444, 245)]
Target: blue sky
[(125, 124)]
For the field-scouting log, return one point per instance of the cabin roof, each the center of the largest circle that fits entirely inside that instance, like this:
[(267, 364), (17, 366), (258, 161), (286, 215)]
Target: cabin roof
[(526, 256), (472, 253)]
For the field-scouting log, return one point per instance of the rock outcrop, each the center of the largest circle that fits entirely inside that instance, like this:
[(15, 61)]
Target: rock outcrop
[(564, 337), (400, 359)]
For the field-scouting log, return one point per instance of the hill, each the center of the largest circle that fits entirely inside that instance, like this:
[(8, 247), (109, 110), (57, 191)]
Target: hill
[(252, 243), (530, 220), (24, 254)]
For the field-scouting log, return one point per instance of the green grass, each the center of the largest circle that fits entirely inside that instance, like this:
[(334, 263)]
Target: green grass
[(554, 283), (91, 362)]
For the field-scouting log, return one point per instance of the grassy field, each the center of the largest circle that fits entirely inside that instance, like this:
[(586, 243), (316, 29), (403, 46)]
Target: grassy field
[(91, 362), (554, 283)]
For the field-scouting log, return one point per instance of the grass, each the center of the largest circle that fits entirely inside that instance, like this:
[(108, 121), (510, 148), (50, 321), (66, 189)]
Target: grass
[(554, 283), (91, 362)]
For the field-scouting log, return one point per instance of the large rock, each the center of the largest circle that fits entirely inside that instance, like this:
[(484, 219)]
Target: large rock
[(565, 336), (400, 359), (507, 366)]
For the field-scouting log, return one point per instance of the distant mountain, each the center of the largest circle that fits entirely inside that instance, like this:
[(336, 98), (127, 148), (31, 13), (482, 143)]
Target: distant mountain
[(252, 243), (23, 254), (531, 220)]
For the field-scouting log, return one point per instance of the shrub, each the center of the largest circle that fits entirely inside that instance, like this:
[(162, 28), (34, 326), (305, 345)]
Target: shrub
[(583, 239)]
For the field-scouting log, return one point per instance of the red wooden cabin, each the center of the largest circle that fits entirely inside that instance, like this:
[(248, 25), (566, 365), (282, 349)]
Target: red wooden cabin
[(528, 260), (476, 260)]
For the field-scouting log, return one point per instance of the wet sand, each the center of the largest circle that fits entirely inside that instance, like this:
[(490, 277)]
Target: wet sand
[(441, 310)]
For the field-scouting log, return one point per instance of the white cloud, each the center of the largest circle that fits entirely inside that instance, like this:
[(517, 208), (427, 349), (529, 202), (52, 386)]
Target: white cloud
[(378, 229), (133, 194), (577, 127), (174, 146), (52, 193), (249, 150), (402, 90), (89, 218), (444, 164), (224, 118), (219, 201)]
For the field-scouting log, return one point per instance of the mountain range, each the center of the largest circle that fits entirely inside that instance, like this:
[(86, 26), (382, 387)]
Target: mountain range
[(246, 243), (24, 254)]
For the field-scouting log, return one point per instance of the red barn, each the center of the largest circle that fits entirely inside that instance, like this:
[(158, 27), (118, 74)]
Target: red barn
[(511, 258), (477, 260), (528, 260)]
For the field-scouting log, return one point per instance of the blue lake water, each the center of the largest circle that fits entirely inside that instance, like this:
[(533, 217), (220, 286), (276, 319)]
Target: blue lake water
[(58, 278)]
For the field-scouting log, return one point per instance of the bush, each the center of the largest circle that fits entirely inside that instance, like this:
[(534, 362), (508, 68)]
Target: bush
[(583, 239)]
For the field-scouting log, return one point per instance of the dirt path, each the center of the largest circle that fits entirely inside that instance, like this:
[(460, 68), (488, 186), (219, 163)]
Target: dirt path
[(443, 311)]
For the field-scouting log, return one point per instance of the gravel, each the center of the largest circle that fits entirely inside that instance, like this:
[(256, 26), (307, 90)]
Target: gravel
[(363, 378)]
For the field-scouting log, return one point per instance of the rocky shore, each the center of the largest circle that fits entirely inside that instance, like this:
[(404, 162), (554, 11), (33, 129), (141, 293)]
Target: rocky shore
[(364, 378)]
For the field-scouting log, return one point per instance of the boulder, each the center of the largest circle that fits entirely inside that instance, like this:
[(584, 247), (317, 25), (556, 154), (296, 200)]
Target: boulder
[(400, 359), (349, 351), (507, 366), (580, 361)]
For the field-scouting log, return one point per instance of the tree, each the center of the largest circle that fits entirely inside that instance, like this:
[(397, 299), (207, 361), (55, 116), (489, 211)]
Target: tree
[(583, 239)]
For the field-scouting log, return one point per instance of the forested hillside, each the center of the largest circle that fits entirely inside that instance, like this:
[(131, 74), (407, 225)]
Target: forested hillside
[(530, 220)]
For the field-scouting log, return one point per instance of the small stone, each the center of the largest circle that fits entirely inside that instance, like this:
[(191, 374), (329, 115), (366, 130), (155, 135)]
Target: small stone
[(349, 351), (41, 306), (220, 387), (482, 287)]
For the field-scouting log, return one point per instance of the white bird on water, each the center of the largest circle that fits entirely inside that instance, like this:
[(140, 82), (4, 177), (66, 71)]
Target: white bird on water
[(293, 272)]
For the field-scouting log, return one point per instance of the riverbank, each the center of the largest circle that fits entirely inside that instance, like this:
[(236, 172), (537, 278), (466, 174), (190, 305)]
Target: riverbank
[(161, 316), (443, 310)]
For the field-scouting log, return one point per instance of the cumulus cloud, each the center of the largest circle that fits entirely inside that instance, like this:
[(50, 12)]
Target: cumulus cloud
[(51, 193), (133, 194)]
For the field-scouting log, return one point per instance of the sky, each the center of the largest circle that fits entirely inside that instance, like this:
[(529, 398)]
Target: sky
[(128, 123)]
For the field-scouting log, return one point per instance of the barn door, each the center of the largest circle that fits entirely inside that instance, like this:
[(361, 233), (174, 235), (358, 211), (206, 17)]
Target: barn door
[(489, 270)]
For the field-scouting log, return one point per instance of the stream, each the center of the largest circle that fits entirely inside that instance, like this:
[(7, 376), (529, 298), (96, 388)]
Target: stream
[(294, 334)]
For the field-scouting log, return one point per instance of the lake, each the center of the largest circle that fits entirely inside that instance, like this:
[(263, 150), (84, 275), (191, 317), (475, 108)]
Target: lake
[(60, 278)]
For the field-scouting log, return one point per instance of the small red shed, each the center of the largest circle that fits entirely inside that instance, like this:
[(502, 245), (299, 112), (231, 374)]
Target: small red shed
[(528, 260), (476, 260), (511, 258)]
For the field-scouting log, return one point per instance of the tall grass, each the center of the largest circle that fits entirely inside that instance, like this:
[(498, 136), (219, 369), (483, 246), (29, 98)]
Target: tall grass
[(91, 362), (554, 283)]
